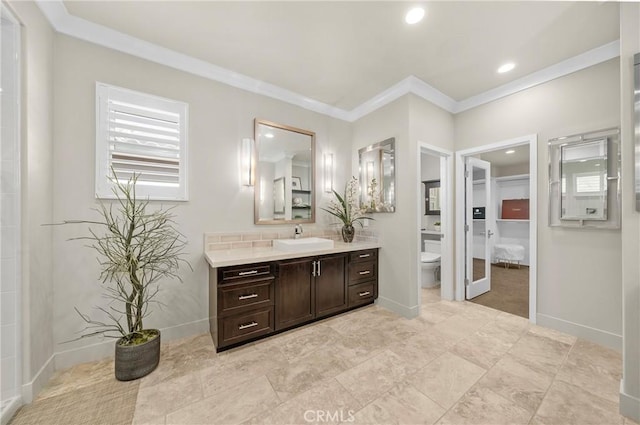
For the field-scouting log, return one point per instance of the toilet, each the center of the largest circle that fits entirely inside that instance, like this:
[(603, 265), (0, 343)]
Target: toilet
[(430, 259)]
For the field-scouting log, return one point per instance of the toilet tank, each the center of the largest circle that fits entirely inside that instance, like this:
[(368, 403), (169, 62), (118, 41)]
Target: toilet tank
[(432, 246)]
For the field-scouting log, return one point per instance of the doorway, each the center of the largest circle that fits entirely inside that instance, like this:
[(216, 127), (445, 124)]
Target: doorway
[(435, 217), (496, 192)]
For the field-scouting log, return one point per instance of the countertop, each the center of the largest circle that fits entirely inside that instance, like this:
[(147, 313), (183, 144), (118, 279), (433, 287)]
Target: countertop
[(235, 257)]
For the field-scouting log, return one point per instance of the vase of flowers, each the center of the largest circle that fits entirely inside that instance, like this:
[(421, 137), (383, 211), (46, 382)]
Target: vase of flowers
[(346, 209)]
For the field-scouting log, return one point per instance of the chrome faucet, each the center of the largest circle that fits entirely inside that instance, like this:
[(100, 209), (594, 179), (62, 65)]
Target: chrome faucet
[(297, 231)]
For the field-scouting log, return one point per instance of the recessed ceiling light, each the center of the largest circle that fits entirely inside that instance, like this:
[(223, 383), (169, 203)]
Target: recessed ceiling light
[(506, 67), (269, 136), (414, 16), (510, 151)]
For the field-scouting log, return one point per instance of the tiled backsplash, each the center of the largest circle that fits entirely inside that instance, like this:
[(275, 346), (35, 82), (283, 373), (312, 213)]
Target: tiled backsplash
[(239, 240)]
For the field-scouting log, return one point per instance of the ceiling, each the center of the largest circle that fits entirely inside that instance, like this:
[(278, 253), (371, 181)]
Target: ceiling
[(499, 157), (345, 53)]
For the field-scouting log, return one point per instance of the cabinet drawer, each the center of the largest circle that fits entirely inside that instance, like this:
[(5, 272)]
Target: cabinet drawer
[(362, 293), (244, 326), (245, 295), (364, 270), (244, 273), (367, 255)]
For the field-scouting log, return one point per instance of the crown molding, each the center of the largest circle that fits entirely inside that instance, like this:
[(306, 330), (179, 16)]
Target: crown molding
[(566, 67), (70, 25), (65, 23)]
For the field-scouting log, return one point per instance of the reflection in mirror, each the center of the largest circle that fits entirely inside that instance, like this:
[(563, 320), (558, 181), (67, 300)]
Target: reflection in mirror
[(583, 173), (584, 180), (432, 197), (285, 170), (377, 176)]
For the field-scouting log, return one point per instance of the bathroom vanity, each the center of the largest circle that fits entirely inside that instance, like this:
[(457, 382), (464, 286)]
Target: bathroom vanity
[(256, 293)]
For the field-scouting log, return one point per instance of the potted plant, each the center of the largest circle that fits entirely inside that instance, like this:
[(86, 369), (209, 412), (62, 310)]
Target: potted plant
[(136, 249), (346, 209), (436, 226)]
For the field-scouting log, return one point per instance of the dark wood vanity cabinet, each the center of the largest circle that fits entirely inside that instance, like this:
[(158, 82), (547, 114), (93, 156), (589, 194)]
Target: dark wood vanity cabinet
[(250, 301), (295, 293), (309, 288), (241, 301), (363, 277), (331, 284)]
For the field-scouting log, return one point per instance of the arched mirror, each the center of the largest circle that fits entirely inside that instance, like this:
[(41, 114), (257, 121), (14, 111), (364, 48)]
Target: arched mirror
[(285, 170)]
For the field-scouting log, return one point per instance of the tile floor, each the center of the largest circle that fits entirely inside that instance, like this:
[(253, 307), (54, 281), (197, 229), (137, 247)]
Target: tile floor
[(458, 363)]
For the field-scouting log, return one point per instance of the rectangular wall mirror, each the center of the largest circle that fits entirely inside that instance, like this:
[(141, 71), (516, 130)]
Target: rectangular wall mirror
[(431, 197), (378, 177), (584, 180), (285, 174)]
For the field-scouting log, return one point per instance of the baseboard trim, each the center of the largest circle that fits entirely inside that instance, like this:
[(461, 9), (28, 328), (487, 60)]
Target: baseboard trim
[(598, 336), (32, 388), (105, 349), (7, 413), (402, 310), (629, 405)]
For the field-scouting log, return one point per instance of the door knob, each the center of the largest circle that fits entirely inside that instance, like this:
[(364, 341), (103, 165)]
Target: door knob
[(489, 234)]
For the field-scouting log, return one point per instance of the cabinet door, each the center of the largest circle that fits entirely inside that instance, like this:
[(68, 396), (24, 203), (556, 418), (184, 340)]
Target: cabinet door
[(331, 285), (295, 295)]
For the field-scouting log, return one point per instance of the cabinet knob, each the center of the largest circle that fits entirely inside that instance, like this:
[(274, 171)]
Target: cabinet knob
[(248, 273), (247, 297), (364, 294), (365, 272)]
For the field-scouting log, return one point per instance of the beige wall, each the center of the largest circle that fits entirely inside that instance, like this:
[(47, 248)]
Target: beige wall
[(630, 389), (219, 117), (579, 271), (396, 256), (37, 171), (409, 119)]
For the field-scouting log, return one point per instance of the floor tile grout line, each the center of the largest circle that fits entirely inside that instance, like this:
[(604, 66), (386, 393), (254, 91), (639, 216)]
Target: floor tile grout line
[(553, 380)]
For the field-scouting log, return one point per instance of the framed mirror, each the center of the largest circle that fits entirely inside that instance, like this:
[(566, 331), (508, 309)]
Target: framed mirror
[(584, 180), (285, 174), (378, 177), (431, 197)]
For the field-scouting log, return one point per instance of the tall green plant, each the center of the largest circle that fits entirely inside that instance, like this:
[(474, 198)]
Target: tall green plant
[(136, 249), (347, 209)]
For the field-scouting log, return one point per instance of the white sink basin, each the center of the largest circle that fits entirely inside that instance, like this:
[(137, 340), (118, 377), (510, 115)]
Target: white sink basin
[(303, 244)]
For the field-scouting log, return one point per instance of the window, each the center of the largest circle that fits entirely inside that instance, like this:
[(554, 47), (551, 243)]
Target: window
[(142, 134), (588, 183)]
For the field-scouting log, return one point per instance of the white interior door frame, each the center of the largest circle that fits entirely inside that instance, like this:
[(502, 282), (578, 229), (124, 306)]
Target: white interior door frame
[(446, 189), (532, 141)]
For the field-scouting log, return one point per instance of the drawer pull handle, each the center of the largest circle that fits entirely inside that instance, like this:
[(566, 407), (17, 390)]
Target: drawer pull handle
[(365, 255), (364, 294), (365, 272), (247, 297), (248, 273), (248, 325)]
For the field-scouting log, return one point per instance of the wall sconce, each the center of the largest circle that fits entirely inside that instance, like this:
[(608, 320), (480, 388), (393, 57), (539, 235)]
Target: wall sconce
[(247, 168), (328, 172)]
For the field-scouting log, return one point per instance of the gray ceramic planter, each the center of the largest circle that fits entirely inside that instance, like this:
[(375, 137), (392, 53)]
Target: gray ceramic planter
[(135, 361)]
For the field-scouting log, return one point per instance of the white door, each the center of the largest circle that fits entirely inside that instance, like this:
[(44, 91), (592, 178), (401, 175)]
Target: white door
[(479, 230)]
